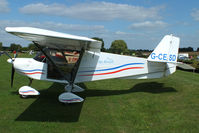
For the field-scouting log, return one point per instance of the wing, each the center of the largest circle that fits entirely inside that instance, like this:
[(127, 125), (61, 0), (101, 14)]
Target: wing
[(54, 39)]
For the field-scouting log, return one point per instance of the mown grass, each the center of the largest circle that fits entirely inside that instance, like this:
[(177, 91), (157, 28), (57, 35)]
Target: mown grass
[(168, 104)]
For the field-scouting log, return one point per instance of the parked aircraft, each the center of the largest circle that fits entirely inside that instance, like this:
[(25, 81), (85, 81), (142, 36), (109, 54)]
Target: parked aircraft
[(73, 59)]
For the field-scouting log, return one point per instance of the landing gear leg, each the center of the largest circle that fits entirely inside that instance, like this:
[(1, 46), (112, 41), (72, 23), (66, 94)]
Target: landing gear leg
[(68, 96), (73, 88), (68, 87), (30, 81)]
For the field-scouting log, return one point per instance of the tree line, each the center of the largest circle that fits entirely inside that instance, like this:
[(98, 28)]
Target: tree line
[(117, 47), (120, 47), (18, 47)]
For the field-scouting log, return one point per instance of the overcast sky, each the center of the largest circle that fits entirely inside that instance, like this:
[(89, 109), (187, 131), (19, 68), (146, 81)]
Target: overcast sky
[(140, 23)]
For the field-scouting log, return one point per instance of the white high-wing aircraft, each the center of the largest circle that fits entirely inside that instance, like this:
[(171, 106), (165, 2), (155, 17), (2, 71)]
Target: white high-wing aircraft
[(73, 59)]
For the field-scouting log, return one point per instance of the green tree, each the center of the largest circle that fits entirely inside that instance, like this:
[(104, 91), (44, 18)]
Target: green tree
[(24, 49), (126, 52), (0, 45), (118, 47), (100, 39), (31, 46), (15, 47), (188, 49)]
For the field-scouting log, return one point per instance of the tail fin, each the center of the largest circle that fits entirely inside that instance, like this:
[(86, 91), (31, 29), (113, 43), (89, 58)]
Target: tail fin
[(166, 51)]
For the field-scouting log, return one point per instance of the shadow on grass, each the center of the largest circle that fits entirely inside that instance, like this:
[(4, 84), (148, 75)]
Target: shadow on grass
[(150, 87), (48, 108)]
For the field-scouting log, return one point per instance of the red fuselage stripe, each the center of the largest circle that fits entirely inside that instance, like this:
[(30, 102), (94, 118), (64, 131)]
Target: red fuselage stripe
[(113, 71), (33, 73)]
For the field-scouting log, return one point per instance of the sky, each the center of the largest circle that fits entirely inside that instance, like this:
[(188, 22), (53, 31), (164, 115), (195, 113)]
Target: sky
[(140, 23)]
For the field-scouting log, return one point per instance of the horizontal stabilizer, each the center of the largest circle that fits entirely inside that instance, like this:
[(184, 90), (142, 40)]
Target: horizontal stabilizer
[(185, 66), (179, 64)]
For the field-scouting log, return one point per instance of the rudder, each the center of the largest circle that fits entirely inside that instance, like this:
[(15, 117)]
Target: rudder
[(167, 50)]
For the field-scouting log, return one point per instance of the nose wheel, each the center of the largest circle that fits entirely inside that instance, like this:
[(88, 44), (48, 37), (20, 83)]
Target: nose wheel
[(26, 91)]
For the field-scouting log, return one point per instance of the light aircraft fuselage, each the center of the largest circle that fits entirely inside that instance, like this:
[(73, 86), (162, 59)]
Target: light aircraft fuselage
[(73, 59)]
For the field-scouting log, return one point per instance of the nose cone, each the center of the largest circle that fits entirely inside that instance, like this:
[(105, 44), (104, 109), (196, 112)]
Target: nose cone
[(10, 61)]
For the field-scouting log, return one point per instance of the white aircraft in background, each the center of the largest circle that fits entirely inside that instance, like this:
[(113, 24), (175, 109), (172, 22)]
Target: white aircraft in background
[(73, 59)]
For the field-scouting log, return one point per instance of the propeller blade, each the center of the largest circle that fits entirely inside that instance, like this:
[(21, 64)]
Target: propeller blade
[(12, 75), (7, 55)]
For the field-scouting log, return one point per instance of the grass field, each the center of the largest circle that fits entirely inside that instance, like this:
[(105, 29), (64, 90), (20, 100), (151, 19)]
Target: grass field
[(111, 106)]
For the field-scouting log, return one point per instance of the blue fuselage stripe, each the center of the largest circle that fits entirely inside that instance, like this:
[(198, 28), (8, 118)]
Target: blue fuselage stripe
[(113, 67), (31, 70)]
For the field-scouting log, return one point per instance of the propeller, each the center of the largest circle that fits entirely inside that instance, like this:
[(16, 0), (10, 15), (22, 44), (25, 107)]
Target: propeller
[(13, 69), (12, 75), (11, 60)]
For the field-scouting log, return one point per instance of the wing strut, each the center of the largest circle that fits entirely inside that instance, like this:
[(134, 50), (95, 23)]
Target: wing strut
[(67, 97), (75, 69)]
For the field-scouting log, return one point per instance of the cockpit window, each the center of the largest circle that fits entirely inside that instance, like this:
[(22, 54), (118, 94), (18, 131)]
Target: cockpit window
[(40, 57), (64, 61)]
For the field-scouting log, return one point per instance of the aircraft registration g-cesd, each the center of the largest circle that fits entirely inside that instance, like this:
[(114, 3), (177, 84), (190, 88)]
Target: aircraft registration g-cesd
[(70, 59)]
